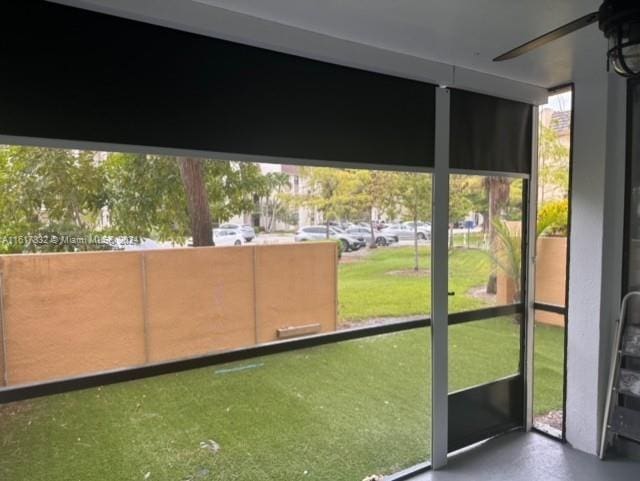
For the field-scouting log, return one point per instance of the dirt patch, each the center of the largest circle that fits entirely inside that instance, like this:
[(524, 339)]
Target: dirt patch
[(355, 256), (480, 292), (552, 419), (377, 321), (351, 259), (14, 409), (410, 273)]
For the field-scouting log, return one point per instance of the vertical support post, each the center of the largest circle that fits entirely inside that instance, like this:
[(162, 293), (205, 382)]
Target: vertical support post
[(3, 339), (335, 280), (256, 326), (145, 306), (440, 285), (532, 218)]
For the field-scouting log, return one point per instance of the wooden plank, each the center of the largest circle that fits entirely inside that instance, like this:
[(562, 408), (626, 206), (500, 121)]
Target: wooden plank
[(295, 287), (626, 422), (295, 331)]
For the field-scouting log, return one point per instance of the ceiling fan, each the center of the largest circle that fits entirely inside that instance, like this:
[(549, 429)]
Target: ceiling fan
[(620, 22)]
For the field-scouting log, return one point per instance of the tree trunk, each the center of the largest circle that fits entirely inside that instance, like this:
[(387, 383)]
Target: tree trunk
[(498, 194), (499, 188), (192, 175), (416, 266), (372, 244), (272, 219)]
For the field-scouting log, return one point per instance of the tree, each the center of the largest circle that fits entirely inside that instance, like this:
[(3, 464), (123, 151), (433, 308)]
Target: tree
[(506, 253), (375, 193), (166, 197), (49, 192), (146, 197), (553, 218), (69, 193), (273, 197), (498, 194), (414, 192), (554, 163), (193, 180), (463, 199), (330, 192)]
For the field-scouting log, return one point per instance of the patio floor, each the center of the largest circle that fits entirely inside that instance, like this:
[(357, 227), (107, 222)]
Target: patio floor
[(530, 457)]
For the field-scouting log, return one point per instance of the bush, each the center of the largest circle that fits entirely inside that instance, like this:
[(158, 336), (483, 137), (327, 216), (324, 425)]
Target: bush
[(553, 218)]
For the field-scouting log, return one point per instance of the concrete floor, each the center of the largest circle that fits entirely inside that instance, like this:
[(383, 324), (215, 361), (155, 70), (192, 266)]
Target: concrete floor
[(531, 457)]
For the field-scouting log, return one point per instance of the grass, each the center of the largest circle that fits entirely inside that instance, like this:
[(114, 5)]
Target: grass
[(366, 288), (334, 412), (549, 359)]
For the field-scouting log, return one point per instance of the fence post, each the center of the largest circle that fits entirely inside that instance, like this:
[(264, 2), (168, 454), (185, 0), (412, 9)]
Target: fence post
[(255, 295), (145, 307), (3, 341)]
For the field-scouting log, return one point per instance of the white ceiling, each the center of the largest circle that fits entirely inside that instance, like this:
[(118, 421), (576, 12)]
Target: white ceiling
[(465, 33)]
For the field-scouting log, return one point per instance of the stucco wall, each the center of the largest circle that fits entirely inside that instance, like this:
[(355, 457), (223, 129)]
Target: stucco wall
[(72, 314), (551, 277)]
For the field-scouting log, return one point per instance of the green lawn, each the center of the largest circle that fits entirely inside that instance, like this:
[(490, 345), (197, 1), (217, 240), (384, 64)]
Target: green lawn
[(548, 367), (383, 284), (330, 413)]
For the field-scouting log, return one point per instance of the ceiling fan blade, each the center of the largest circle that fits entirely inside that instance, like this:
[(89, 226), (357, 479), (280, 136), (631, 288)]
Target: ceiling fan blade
[(549, 37)]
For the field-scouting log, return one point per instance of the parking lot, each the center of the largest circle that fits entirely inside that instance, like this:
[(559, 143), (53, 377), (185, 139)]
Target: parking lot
[(287, 238)]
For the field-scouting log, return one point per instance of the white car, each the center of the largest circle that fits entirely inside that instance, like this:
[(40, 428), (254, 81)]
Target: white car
[(423, 228), (140, 245), (364, 234), (319, 233), (247, 231), (400, 232), (227, 237)]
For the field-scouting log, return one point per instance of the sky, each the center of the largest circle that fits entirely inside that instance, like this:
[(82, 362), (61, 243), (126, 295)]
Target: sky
[(561, 101)]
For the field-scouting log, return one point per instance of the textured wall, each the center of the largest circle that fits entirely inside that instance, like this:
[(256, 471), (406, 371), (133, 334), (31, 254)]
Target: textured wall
[(199, 300), (72, 314), (294, 288), (68, 314), (551, 276)]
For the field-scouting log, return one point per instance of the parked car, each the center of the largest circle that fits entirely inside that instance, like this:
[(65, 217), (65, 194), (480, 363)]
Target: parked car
[(424, 229), (248, 232), (404, 232), (228, 237), (319, 232), (137, 245), (380, 224), (364, 234)]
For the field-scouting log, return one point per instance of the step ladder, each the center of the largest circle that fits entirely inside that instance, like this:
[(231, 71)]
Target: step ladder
[(622, 409)]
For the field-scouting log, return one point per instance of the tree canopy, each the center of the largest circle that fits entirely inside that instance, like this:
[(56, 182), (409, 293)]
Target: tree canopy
[(85, 194)]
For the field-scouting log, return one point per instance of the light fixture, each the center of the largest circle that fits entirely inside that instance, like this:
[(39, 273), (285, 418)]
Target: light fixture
[(620, 22)]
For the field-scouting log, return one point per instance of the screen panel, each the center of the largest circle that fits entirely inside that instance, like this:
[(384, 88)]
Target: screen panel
[(85, 76)]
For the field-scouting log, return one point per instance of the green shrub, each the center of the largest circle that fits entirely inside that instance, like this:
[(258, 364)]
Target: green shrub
[(553, 218)]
